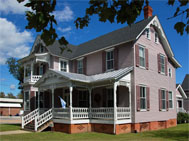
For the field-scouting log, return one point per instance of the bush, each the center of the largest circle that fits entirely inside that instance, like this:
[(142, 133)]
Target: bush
[(182, 118)]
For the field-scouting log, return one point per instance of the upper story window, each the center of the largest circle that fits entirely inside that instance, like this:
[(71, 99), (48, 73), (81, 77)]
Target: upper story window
[(109, 60), (156, 38), (27, 71), (80, 66), (170, 99), (148, 33), (41, 49), (143, 100), (64, 65), (142, 56), (162, 63), (163, 100), (170, 72)]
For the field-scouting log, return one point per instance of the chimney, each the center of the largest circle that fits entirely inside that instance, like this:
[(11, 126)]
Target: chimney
[(147, 10)]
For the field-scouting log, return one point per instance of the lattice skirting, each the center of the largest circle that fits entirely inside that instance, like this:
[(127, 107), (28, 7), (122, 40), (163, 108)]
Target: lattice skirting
[(109, 128)]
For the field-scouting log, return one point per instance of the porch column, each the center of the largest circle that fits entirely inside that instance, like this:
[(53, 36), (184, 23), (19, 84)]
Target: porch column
[(129, 86), (90, 90), (71, 116), (115, 105), (52, 97), (31, 70), (38, 98)]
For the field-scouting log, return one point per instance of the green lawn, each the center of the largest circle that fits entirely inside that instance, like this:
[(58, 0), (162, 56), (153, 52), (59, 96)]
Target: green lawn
[(9, 127), (179, 133)]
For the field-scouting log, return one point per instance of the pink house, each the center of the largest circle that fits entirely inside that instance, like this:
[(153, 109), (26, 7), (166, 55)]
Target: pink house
[(121, 82)]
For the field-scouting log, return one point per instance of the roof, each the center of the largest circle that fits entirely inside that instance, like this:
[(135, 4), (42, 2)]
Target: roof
[(181, 91), (185, 83), (12, 100), (113, 75), (10, 105)]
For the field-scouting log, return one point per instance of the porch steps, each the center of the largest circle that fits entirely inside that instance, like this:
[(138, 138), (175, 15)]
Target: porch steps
[(44, 126), (30, 126)]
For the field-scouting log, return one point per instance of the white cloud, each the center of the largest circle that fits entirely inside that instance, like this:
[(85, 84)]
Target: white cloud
[(65, 15), (67, 29), (12, 6), (13, 43), (12, 87)]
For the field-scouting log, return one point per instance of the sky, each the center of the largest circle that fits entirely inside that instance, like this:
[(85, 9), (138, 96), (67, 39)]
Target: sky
[(16, 41)]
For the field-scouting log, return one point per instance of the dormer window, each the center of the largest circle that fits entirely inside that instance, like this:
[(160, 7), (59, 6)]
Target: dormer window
[(148, 33), (156, 38), (41, 49), (63, 65), (109, 60)]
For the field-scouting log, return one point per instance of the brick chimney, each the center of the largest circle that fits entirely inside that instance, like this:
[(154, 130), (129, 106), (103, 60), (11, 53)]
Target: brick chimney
[(147, 10)]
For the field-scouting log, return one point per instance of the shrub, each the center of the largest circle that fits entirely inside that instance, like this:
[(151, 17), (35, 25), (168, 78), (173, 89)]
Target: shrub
[(182, 118)]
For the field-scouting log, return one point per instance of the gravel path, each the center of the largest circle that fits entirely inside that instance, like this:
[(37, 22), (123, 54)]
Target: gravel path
[(14, 132)]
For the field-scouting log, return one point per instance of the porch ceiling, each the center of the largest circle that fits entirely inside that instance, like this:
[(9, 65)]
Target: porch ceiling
[(114, 75)]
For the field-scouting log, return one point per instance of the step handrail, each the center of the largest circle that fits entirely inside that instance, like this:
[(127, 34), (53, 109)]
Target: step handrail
[(43, 118), (29, 117)]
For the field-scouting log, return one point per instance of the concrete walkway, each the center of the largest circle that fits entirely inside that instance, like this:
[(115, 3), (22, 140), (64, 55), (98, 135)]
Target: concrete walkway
[(14, 132)]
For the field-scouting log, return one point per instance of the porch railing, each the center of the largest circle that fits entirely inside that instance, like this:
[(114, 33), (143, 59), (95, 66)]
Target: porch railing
[(102, 113), (61, 113), (33, 78), (123, 112), (80, 113)]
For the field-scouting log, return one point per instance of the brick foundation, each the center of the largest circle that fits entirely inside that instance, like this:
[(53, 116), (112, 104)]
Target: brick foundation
[(109, 128)]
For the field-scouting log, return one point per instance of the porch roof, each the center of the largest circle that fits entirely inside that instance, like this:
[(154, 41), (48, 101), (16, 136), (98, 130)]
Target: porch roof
[(113, 75)]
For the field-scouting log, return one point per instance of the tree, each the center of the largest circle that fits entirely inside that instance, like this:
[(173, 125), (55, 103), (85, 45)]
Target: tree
[(10, 95), (19, 96), (16, 70), (41, 17), (2, 95)]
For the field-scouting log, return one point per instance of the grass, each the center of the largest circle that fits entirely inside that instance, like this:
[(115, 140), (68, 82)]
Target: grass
[(179, 133), (9, 127)]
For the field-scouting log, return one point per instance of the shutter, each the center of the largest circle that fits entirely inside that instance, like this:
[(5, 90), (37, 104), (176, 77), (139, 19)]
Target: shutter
[(138, 97), (104, 97), (137, 55), (167, 100), (103, 61), (116, 51), (160, 103), (85, 65), (166, 65), (75, 66), (146, 59), (148, 98), (158, 59)]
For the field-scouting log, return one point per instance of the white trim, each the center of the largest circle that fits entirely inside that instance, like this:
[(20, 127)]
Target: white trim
[(182, 91), (171, 73), (79, 59), (148, 28), (157, 42), (67, 66), (172, 99), (16, 105), (110, 49)]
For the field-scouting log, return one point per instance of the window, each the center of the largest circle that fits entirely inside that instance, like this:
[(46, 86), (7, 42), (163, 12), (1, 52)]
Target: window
[(110, 95), (41, 49), (83, 98), (163, 99), (63, 65), (156, 38), (109, 60), (142, 56), (148, 33), (143, 98), (162, 63), (27, 71), (80, 66), (26, 101), (170, 72), (170, 99), (41, 100)]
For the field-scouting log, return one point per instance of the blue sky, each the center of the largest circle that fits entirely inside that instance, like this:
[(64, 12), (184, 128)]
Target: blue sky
[(16, 41)]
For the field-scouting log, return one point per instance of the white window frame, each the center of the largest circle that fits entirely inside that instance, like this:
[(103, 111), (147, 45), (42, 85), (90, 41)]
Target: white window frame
[(142, 47), (156, 38), (145, 98), (163, 100), (28, 108), (80, 67), (171, 99), (161, 55), (148, 34), (110, 60), (41, 49), (170, 72), (67, 65)]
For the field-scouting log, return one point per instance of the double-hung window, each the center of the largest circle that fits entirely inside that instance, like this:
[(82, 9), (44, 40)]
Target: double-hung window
[(170, 99), (163, 99), (110, 60), (41, 49), (80, 66), (170, 72), (142, 56), (156, 38), (143, 100), (63, 65), (162, 63), (148, 33), (26, 101)]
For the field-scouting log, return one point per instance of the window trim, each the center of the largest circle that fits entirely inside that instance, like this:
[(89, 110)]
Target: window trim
[(170, 72), (78, 60), (108, 51), (156, 37), (41, 48), (25, 102), (67, 66), (161, 55), (171, 99), (144, 110), (140, 46), (165, 101), (148, 29)]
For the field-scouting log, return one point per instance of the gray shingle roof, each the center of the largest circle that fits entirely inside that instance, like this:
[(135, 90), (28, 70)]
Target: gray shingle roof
[(185, 83), (95, 78), (124, 34)]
